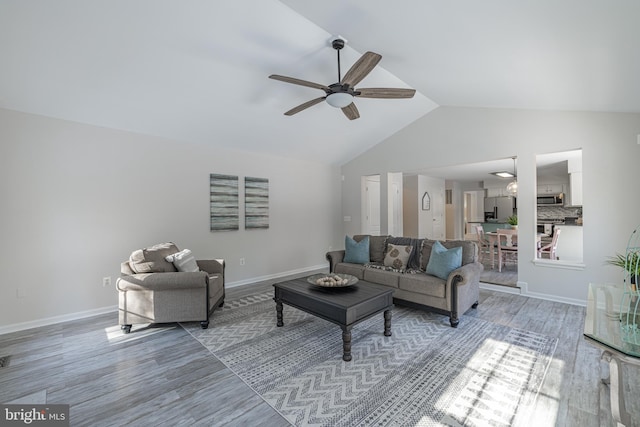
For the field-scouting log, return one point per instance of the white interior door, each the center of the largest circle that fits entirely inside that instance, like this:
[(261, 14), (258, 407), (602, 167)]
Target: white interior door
[(438, 214), (396, 209), (371, 219)]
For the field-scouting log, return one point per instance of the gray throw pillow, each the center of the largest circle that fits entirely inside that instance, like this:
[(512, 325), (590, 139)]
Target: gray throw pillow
[(152, 260)]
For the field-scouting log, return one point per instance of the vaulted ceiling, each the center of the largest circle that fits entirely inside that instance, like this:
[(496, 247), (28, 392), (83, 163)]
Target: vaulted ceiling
[(196, 71)]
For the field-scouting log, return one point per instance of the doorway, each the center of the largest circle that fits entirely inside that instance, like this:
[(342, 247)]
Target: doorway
[(371, 205)]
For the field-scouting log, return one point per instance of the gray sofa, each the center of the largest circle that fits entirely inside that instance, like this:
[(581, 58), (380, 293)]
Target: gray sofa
[(414, 287), (152, 290)]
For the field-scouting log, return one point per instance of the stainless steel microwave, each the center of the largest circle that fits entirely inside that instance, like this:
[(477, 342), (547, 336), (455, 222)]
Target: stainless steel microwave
[(550, 199)]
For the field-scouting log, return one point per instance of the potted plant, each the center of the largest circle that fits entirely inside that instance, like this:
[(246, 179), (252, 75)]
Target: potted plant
[(629, 262), (513, 221)]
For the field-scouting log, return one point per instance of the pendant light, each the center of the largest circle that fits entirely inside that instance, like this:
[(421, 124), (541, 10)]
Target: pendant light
[(512, 187)]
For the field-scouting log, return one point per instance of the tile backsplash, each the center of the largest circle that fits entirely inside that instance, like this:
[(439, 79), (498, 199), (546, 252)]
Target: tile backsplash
[(553, 212)]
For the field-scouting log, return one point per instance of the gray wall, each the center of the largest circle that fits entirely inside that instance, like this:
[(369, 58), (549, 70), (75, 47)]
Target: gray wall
[(78, 199), (452, 136)]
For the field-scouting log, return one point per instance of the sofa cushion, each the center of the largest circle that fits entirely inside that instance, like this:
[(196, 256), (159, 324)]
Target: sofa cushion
[(377, 246), (443, 261), (382, 277), (422, 283), (356, 252), (397, 256), (469, 250), (183, 261), (356, 270), (152, 260)]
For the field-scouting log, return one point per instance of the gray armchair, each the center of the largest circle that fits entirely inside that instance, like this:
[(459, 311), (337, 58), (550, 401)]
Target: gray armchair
[(151, 290)]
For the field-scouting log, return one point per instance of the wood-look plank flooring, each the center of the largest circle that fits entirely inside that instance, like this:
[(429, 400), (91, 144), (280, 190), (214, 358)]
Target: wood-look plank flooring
[(159, 375)]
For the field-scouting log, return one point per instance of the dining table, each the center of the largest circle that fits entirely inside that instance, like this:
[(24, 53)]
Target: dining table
[(492, 237)]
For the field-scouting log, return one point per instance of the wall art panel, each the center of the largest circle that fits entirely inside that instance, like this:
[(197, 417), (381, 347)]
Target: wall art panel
[(224, 211)]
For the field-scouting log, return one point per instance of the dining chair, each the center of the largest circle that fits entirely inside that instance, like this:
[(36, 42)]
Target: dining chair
[(551, 247), (507, 246), (484, 246)]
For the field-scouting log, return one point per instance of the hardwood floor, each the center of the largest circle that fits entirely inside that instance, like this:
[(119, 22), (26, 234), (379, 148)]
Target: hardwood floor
[(160, 375)]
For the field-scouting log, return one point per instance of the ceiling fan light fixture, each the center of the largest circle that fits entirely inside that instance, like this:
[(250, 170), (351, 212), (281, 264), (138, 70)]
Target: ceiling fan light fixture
[(339, 99)]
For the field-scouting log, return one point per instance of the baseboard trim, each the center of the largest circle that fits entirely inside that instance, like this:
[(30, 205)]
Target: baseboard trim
[(523, 289), (276, 276), (501, 288), (16, 327), (555, 298)]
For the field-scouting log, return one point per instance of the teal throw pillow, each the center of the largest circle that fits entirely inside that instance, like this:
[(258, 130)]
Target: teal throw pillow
[(356, 252), (443, 261)]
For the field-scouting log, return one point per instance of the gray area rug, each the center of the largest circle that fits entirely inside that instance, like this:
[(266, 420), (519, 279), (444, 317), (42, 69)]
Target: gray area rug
[(426, 374)]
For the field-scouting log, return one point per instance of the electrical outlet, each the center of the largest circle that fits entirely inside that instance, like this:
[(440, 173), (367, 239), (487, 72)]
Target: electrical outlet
[(21, 293), (106, 281), (241, 261)]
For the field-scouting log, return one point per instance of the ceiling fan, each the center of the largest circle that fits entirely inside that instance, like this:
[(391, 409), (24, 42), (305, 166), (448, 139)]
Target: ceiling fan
[(341, 94)]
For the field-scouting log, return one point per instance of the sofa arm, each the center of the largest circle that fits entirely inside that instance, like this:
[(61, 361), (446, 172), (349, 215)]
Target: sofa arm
[(163, 281), (468, 273), (334, 257), (212, 266)]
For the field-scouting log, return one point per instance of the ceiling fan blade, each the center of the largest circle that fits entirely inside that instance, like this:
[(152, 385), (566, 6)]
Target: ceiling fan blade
[(299, 82), (361, 68), (351, 111), (304, 106), (380, 92)]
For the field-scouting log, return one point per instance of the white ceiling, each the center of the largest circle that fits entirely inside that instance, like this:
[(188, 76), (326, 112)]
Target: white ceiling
[(196, 71)]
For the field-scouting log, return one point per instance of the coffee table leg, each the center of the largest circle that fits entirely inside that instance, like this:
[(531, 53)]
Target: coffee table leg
[(346, 344), (387, 323), (279, 313)]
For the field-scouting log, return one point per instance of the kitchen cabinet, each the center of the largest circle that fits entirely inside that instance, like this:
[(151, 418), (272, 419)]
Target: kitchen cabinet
[(575, 192), (574, 167), (550, 189), (498, 192), (569, 243)]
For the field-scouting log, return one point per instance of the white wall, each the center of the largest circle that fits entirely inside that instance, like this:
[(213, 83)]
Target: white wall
[(78, 199), (452, 136)]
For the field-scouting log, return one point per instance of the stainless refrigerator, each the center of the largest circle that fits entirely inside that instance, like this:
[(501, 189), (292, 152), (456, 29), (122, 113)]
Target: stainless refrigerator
[(501, 207)]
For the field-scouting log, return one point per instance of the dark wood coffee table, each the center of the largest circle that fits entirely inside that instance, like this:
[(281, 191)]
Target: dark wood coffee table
[(342, 306)]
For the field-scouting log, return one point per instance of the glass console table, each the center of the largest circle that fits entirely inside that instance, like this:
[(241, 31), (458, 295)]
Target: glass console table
[(608, 329)]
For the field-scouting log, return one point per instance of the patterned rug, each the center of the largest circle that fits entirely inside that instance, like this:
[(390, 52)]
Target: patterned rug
[(426, 374)]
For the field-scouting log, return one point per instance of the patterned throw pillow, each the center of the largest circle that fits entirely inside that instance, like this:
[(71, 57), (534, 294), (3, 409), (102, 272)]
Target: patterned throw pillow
[(397, 256), (184, 261)]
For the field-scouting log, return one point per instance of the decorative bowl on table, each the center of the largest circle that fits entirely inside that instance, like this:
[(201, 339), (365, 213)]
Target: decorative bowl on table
[(333, 280)]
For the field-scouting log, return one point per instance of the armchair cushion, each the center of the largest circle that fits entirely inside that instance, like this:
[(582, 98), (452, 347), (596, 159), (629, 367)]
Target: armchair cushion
[(184, 261), (160, 282), (152, 260)]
